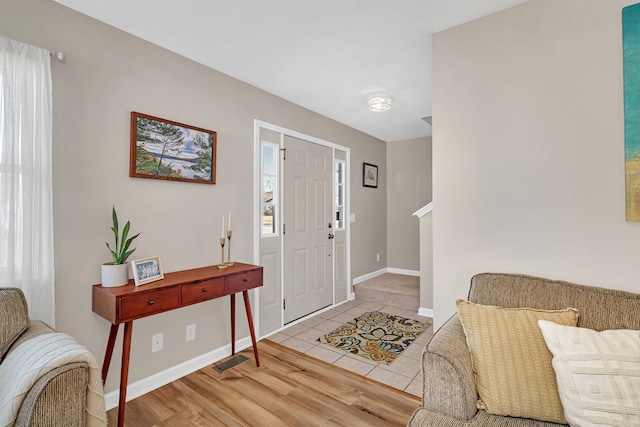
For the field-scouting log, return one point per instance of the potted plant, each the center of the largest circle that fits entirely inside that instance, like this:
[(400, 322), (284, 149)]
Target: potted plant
[(116, 273)]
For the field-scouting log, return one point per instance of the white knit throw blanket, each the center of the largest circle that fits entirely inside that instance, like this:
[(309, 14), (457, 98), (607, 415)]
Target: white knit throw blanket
[(35, 357)]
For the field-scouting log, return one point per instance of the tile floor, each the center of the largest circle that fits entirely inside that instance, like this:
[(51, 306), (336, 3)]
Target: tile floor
[(403, 373)]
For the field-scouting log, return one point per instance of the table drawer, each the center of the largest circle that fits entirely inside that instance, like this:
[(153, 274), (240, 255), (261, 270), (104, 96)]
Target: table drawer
[(135, 306), (202, 290), (243, 281)]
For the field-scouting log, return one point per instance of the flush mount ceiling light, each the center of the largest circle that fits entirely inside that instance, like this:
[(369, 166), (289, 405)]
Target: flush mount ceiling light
[(379, 103)]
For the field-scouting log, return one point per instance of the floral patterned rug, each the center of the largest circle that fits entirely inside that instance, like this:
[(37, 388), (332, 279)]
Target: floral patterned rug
[(377, 336)]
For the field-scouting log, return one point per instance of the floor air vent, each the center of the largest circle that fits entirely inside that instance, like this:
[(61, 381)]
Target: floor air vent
[(238, 359)]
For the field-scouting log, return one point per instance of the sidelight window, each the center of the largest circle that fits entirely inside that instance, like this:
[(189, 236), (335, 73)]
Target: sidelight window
[(340, 194), (269, 202)]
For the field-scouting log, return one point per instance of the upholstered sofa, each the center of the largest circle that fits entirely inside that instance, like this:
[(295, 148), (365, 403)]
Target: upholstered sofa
[(47, 378), (450, 396)]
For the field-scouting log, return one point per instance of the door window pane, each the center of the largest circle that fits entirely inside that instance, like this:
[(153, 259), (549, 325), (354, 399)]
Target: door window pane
[(340, 196), (269, 202)]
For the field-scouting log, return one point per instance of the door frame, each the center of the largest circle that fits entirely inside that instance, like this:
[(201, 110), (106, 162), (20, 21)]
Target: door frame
[(257, 125)]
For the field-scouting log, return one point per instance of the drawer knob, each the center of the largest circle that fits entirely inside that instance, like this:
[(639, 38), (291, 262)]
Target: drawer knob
[(245, 280), (204, 289), (152, 302)]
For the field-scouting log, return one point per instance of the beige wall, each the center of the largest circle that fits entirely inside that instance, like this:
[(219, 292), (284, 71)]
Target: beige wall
[(106, 75), (409, 189), (528, 149)]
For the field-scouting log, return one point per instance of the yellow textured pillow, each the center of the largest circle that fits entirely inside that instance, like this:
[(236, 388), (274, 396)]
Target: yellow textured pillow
[(511, 361)]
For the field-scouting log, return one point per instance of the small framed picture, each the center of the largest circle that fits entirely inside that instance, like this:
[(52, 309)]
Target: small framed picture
[(369, 175), (147, 270)]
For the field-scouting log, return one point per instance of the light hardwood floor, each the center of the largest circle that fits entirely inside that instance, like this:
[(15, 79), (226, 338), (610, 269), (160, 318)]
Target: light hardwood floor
[(288, 389)]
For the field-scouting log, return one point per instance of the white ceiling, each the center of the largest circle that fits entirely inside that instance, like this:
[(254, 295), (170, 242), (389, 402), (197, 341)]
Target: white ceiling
[(329, 56)]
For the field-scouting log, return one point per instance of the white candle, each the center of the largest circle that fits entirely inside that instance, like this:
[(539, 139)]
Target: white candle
[(222, 236), (229, 221)]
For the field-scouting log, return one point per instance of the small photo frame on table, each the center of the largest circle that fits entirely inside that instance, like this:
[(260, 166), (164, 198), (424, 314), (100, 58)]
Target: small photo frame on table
[(369, 175), (147, 270)]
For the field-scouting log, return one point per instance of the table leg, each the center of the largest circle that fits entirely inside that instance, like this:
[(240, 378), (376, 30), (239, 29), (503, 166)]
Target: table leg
[(233, 324), (124, 373), (247, 306), (111, 342)]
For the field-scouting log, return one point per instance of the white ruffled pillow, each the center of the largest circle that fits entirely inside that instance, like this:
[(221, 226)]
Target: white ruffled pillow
[(598, 374)]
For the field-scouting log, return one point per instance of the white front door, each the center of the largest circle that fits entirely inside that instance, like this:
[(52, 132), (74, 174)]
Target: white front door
[(307, 233)]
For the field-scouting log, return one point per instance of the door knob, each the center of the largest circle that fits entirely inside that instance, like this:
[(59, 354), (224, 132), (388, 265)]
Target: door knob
[(331, 236)]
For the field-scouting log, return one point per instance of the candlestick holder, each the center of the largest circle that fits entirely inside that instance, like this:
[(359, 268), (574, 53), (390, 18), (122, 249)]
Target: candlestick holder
[(229, 263), (222, 264)]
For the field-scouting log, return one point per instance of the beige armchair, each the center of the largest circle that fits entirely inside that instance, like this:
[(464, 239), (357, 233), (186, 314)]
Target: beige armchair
[(48, 378)]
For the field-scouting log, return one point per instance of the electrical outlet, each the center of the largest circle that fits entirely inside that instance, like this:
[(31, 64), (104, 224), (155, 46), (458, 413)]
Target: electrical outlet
[(156, 342), (377, 257), (191, 332)]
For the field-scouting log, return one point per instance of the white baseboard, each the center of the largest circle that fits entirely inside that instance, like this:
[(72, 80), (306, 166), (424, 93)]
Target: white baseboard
[(155, 381), (369, 276), (428, 312), (403, 271), (380, 272)]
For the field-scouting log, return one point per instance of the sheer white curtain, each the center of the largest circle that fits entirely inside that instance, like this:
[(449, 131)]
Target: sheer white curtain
[(26, 217)]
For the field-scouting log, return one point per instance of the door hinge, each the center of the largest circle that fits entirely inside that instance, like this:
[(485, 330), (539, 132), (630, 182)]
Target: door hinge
[(284, 153), (284, 304), (284, 228)]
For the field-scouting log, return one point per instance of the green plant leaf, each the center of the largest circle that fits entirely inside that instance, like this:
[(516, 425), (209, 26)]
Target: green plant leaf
[(115, 235), (127, 254), (113, 254), (114, 217), (123, 239), (128, 243)]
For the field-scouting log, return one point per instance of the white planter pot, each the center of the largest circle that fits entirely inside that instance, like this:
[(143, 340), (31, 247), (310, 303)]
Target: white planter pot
[(115, 274)]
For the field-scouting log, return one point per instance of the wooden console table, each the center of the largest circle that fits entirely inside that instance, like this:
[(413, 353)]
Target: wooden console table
[(124, 304)]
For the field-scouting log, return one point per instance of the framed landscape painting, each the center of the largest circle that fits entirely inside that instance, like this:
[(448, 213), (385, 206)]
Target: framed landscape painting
[(163, 149), (631, 65)]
